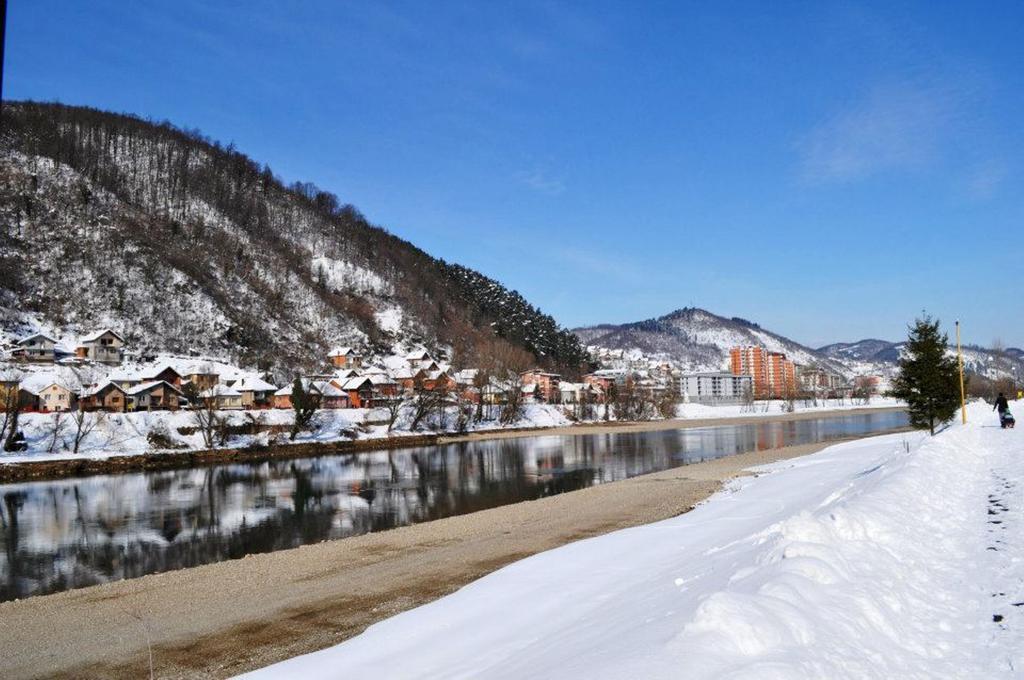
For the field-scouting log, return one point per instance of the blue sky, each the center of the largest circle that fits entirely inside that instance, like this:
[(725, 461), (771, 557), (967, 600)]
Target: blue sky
[(826, 169)]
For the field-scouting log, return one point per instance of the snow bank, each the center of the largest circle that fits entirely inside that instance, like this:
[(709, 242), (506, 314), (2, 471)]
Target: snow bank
[(870, 559), (775, 407)]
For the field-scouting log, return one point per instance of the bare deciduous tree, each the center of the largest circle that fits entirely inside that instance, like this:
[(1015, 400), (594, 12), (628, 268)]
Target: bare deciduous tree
[(84, 423)]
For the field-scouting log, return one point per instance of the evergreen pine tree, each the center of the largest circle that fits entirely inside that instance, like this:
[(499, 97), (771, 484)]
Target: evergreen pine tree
[(928, 379)]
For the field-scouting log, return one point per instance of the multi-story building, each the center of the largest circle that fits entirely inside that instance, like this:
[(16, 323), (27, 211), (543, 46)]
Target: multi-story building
[(715, 388), (105, 347), (771, 373), (547, 383)]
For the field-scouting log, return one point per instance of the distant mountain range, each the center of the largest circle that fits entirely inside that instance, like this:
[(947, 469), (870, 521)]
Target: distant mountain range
[(698, 340)]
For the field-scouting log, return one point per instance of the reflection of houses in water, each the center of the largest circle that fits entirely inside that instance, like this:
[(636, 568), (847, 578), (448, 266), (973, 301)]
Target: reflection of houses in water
[(77, 532)]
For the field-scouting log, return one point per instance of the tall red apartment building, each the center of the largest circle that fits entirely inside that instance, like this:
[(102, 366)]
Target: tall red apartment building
[(772, 373)]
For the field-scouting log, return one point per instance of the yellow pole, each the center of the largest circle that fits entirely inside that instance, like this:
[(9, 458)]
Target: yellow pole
[(960, 363)]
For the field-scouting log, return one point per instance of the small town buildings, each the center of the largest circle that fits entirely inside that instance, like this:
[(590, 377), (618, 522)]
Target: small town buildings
[(547, 383), (222, 397), (360, 392), (870, 384), (716, 388), (104, 347), (332, 396), (200, 379), (384, 385), (577, 393), (107, 396), (164, 373), (256, 392), (815, 380), (773, 375), (283, 397), (409, 380), (38, 348), (154, 396), (345, 357), (53, 397), (438, 381)]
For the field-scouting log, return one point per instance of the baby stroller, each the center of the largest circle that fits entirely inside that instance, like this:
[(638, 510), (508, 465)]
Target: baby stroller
[(1006, 419)]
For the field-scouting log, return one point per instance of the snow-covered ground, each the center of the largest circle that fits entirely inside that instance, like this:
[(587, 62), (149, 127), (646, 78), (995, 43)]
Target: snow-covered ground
[(123, 434), (776, 407), (895, 556)]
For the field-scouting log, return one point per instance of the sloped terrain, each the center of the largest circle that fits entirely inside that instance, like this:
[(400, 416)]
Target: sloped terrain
[(193, 248), (698, 339)]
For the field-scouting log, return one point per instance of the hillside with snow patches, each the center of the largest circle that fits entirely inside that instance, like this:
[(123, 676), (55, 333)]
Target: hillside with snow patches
[(698, 340), (189, 247), (880, 356)]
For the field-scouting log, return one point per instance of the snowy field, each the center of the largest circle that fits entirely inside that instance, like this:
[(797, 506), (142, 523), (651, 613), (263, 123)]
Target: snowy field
[(121, 434), (895, 556)]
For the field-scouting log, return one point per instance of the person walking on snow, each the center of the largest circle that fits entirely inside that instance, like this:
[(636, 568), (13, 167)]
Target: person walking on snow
[(1001, 406)]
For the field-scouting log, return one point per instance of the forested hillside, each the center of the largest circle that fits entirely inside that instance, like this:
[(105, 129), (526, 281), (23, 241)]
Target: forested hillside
[(192, 247)]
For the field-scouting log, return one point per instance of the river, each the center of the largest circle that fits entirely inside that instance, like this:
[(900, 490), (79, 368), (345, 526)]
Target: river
[(72, 533)]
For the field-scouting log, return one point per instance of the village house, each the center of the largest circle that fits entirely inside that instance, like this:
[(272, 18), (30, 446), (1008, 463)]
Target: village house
[(438, 381), (546, 382), (8, 387), (104, 347), (360, 392), (577, 393), (283, 397), (154, 396), (200, 379), (409, 380), (52, 397), (383, 385), (331, 395), (37, 348), (256, 393), (164, 373), (871, 384), (345, 357), (222, 398), (530, 393), (107, 396)]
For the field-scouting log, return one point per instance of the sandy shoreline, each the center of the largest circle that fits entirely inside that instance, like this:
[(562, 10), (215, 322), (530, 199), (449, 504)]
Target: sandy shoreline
[(221, 619), (76, 466)]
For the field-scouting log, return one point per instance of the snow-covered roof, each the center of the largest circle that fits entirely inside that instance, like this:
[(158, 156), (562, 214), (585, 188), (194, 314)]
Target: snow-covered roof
[(96, 335), (356, 383), (286, 391), (147, 386), (102, 386), (220, 391), (345, 373), (43, 336), (329, 390), (341, 352), (254, 384), (35, 383)]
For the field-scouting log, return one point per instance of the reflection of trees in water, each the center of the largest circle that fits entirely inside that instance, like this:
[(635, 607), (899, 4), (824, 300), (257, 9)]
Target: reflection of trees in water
[(97, 529)]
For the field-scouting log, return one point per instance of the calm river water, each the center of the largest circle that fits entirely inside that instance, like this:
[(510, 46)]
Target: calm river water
[(78, 532)]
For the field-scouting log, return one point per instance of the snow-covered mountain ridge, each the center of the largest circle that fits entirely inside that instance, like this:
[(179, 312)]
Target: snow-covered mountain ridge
[(698, 340), (189, 247)]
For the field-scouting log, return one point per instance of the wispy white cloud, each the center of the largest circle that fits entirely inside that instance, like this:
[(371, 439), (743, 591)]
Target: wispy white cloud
[(896, 127), (541, 182)]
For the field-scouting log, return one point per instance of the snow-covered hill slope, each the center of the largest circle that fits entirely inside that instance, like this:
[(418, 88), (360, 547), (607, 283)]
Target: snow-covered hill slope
[(698, 340), (186, 246), (891, 557), (882, 357)]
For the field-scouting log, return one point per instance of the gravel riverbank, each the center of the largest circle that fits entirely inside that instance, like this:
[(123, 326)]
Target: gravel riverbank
[(221, 619)]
